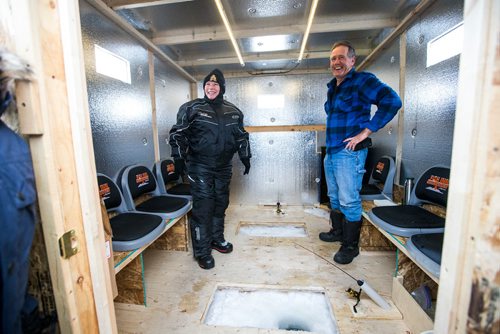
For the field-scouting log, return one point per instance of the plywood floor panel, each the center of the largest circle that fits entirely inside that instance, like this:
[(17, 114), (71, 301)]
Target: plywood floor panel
[(178, 291)]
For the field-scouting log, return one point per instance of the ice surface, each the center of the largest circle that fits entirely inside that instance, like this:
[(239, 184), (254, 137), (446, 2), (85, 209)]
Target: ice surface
[(273, 230), (308, 311)]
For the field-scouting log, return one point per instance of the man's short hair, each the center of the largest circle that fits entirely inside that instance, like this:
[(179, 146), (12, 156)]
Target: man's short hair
[(351, 52)]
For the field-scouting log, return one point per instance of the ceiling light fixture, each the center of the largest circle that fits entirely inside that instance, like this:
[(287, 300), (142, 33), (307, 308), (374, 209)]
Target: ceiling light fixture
[(229, 31), (308, 28)]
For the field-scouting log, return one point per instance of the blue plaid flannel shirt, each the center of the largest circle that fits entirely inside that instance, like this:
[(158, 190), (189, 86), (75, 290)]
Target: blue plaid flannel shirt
[(348, 107)]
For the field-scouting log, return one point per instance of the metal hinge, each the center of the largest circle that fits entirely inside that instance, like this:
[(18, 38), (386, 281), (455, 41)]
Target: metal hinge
[(68, 244)]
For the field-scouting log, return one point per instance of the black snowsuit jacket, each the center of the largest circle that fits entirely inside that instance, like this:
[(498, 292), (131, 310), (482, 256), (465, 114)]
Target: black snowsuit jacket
[(209, 134)]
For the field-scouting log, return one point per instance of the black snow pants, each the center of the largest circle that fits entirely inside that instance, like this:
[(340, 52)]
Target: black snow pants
[(210, 191)]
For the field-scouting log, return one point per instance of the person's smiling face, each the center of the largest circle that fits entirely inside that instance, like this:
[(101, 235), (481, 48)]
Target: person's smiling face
[(212, 89), (340, 62)]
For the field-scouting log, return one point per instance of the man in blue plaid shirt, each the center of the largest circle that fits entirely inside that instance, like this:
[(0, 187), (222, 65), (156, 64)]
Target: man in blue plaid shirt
[(348, 125)]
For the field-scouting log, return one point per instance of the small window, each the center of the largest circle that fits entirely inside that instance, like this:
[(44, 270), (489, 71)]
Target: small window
[(270, 101), (446, 45), (111, 65)]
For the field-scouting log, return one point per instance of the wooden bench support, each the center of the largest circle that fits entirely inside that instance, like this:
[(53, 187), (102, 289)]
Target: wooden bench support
[(177, 237), (129, 266), (414, 317), (130, 282), (413, 276), (371, 239)]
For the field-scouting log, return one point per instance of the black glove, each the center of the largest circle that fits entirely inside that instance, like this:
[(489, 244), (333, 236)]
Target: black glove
[(246, 163), (180, 167)]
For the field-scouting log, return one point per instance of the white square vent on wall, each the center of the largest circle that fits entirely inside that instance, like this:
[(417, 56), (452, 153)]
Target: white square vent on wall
[(446, 45), (111, 65)]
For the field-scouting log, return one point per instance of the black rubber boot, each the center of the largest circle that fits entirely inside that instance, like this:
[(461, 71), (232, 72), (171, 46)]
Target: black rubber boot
[(200, 237), (335, 233), (350, 240), (206, 261), (222, 247), (218, 241)]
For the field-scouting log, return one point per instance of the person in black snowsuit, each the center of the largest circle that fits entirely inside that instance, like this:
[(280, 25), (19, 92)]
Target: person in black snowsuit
[(208, 132)]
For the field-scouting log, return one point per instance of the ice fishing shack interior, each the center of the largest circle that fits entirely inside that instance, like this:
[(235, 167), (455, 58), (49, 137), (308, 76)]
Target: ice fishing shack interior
[(108, 79)]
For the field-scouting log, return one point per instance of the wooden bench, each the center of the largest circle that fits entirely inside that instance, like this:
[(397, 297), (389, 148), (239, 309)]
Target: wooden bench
[(128, 267), (408, 274), (400, 243)]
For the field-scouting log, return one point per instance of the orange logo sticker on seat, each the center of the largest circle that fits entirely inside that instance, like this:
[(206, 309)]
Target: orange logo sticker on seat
[(380, 167), (437, 183), (142, 179), (104, 190), (170, 168)]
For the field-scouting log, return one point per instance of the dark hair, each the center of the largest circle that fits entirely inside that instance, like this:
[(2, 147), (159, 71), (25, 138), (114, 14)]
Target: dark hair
[(351, 52)]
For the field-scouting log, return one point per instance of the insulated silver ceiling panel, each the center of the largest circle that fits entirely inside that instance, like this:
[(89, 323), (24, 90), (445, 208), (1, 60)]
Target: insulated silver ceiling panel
[(361, 9), (191, 16), (194, 52), (270, 43), (192, 30), (255, 14)]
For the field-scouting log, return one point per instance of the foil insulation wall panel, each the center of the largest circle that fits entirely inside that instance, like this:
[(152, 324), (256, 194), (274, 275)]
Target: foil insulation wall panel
[(304, 96), (285, 165), (120, 113), (285, 169), (431, 92), (171, 92), (386, 67)]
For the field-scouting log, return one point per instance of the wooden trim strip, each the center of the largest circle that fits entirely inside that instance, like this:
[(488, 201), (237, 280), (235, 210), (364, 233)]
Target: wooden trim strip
[(285, 128)]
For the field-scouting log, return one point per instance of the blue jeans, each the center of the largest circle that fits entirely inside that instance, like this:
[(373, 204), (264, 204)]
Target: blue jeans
[(344, 176)]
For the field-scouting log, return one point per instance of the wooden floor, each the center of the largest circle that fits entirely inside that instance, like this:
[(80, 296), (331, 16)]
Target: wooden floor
[(178, 291)]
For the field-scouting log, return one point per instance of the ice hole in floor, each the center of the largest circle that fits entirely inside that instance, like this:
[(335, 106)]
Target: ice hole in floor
[(297, 309), (273, 229)]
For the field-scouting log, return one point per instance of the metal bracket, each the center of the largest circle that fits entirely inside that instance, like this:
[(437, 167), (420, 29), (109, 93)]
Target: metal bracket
[(68, 244)]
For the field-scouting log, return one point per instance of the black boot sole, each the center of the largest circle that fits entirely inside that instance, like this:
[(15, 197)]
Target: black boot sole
[(205, 264), (206, 267), (341, 260), (222, 250), (328, 237)]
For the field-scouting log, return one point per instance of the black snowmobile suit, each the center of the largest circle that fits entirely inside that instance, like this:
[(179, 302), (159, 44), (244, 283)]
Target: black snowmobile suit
[(207, 135)]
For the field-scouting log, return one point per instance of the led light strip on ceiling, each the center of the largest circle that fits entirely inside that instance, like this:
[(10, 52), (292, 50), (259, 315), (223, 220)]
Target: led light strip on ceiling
[(229, 31), (308, 28)]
